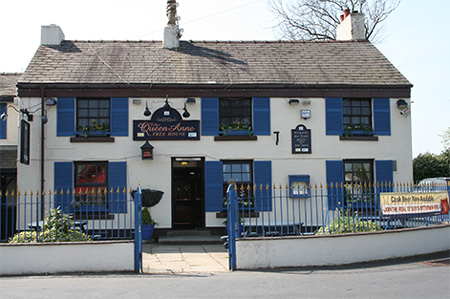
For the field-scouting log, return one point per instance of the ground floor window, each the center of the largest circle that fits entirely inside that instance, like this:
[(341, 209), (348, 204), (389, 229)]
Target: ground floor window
[(91, 182), (241, 173), (358, 180)]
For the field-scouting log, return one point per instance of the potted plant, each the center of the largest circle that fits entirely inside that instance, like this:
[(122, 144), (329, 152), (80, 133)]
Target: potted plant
[(358, 130), (148, 224), (94, 130), (236, 129)]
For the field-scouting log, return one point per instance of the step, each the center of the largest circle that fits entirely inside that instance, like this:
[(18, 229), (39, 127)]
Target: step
[(189, 240), (182, 233)]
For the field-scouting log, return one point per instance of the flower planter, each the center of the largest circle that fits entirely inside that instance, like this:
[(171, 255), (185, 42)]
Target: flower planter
[(237, 132), (147, 231)]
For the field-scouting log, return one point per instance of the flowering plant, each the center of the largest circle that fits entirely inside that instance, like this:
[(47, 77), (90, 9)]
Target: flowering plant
[(84, 131), (236, 127), (365, 129)]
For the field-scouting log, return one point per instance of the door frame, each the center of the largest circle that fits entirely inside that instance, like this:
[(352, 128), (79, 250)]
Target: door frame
[(200, 212)]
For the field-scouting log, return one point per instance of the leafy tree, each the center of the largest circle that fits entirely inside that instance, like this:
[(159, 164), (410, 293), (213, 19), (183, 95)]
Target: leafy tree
[(318, 19)]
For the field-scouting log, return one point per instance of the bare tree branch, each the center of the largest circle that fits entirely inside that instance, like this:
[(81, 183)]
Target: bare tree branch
[(318, 19)]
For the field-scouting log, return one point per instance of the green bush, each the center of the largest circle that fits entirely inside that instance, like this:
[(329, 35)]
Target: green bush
[(58, 227), (348, 223), (146, 217)]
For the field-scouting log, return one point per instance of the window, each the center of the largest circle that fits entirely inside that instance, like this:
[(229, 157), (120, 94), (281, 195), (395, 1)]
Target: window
[(218, 173), (373, 116), (233, 111), (299, 186), (74, 113), (357, 112), (94, 113), (358, 178), (241, 173), (252, 112), (91, 183)]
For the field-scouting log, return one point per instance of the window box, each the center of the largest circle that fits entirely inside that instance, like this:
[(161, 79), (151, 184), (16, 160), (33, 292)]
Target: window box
[(231, 132)]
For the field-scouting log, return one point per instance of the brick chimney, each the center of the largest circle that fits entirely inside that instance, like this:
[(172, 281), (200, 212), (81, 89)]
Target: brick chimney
[(351, 26), (51, 35), (172, 32)]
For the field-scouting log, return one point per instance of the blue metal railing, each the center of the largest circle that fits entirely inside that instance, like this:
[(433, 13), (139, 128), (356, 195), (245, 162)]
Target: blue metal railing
[(332, 209), (95, 214)]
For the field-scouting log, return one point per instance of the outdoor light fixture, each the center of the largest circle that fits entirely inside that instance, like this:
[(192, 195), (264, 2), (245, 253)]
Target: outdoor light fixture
[(186, 114), (25, 111), (190, 100), (50, 102), (402, 104), (146, 111), (306, 102), (294, 102), (147, 151), (167, 105)]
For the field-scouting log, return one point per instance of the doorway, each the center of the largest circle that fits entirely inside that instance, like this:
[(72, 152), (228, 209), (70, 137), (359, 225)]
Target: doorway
[(188, 204)]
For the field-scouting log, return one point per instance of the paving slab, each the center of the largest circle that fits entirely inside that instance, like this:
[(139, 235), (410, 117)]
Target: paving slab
[(206, 258)]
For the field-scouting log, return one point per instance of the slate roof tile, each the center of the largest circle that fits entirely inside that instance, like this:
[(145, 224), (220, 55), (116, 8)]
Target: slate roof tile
[(197, 62)]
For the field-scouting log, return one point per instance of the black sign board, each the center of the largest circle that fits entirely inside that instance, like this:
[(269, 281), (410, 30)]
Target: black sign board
[(24, 142), (301, 140), (166, 124)]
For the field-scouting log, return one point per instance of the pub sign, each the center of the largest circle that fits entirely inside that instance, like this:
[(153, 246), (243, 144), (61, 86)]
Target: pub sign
[(166, 124)]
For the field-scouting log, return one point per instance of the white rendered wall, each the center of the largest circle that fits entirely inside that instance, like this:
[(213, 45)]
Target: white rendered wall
[(102, 256), (157, 173), (339, 249), (12, 125)]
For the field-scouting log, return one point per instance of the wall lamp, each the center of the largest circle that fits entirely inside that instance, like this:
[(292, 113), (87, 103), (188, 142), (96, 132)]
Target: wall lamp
[(190, 100), (402, 104), (25, 111), (294, 102), (50, 102), (147, 111)]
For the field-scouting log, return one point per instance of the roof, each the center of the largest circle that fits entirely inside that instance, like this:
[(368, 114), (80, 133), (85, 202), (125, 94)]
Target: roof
[(210, 62), (8, 83)]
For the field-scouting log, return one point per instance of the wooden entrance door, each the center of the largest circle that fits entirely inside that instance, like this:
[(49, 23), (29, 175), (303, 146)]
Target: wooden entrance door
[(187, 194)]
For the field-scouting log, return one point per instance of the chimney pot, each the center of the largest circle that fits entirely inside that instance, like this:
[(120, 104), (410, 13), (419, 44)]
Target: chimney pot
[(346, 12), (342, 18)]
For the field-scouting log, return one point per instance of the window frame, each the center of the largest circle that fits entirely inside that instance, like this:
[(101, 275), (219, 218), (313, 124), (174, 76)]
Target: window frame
[(90, 119), (83, 190), (353, 104), (358, 191), (236, 122), (243, 194)]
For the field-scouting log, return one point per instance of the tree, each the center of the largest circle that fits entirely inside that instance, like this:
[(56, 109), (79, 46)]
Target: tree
[(427, 165), (318, 19)]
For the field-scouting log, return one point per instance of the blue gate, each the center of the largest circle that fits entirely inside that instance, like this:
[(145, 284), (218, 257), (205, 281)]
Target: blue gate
[(137, 230)]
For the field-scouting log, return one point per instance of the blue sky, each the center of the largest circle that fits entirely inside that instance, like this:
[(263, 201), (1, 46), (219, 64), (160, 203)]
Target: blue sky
[(416, 40)]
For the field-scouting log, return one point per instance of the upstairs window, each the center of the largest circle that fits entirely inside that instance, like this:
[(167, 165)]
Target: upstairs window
[(357, 113), (94, 113), (235, 112)]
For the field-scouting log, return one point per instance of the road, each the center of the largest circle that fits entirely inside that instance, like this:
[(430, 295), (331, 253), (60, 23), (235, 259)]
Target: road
[(423, 277)]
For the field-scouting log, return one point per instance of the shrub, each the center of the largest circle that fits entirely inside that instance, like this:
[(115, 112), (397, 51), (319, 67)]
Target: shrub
[(348, 223), (58, 227)]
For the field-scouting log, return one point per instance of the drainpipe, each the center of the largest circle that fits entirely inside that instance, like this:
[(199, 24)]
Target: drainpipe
[(42, 151)]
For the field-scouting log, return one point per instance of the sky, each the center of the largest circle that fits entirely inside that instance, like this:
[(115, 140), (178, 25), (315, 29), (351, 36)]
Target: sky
[(416, 40)]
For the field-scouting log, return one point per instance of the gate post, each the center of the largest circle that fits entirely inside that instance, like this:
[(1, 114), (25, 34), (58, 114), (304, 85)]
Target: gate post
[(137, 230), (231, 225)]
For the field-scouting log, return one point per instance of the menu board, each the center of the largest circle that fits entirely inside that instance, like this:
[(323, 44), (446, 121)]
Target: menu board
[(301, 140)]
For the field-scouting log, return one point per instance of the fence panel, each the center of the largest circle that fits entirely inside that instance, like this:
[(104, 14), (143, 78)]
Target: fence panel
[(65, 214), (337, 208)]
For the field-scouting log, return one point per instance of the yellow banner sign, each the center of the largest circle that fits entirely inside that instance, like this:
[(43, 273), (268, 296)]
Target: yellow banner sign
[(414, 204)]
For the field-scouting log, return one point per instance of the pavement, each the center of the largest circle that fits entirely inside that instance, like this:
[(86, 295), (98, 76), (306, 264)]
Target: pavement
[(171, 259)]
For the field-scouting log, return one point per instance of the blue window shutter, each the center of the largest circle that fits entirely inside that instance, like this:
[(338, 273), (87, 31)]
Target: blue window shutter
[(210, 116), (3, 122), (63, 182), (117, 173), (261, 116), (382, 116), (119, 116), (263, 176), (335, 175), (334, 120), (65, 118), (213, 186), (384, 172)]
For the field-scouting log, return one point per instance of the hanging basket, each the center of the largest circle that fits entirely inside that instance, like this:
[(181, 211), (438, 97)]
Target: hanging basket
[(150, 197)]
